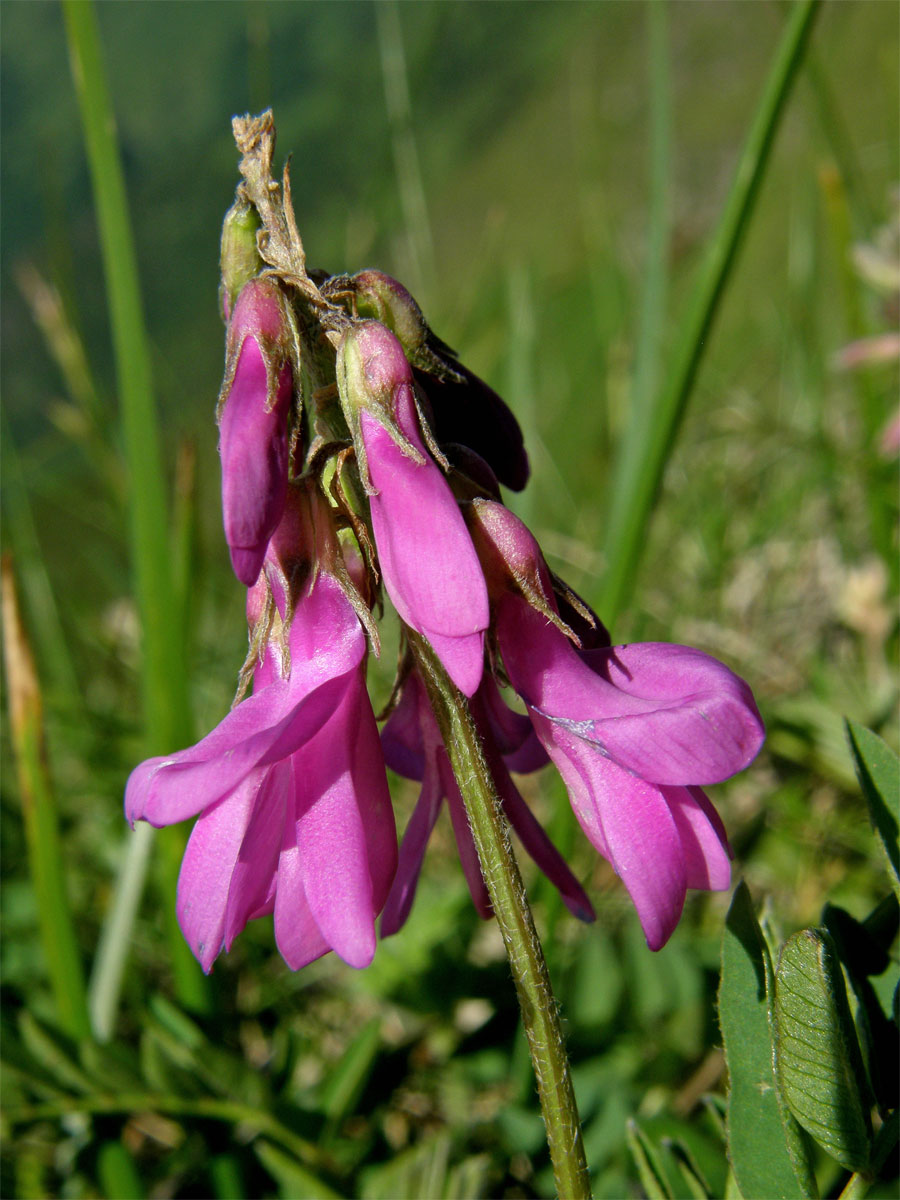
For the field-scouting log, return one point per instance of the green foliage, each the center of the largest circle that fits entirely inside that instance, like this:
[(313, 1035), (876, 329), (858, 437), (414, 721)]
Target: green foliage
[(771, 546), (878, 771), (795, 1054), (765, 1149), (817, 1056)]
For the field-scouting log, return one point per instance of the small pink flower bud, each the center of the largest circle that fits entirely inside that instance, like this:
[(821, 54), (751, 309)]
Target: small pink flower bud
[(253, 414), (428, 562)]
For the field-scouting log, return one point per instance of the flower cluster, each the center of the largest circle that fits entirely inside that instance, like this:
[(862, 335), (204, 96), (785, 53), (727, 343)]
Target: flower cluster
[(359, 456)]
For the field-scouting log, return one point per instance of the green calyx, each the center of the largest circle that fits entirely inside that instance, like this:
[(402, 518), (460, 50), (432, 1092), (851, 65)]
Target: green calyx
[(239, 256)]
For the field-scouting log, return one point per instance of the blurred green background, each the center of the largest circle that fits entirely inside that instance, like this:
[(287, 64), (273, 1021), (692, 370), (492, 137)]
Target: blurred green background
[(497, 158)]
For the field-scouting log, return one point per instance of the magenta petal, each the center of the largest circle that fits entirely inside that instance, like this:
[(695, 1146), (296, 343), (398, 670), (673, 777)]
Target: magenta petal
[(345, 859), (511, 731), (207, 867), (373, 796), (412, 854), (706, 858), (296, 933), (631, 825), (645, 848), (335, 872), (462, 657), (681, 716), (668, 713), (574, 761), (401, 736), (327, 644), (641, 840), (430, 567), (252, 881), (253, 446), (261, 730)]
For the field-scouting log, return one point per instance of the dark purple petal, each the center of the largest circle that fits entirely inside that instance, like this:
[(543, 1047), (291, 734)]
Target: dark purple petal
[(511, 731), (472, 414), (253, 425), (537, 843), (465, 843), (401, 736), (412, 854)]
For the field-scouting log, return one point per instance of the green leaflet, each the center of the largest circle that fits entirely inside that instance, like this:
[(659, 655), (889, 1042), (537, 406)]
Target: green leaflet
[(765, 1147), (878, 771), (818, 1059)]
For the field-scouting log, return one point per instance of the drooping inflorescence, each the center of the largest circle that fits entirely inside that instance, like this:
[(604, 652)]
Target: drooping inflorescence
[(360, 457)]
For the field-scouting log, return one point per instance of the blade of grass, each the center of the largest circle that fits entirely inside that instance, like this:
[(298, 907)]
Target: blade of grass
[(406, 156), (653, 306), (40, 602), (637, 477), (838, 137), (164, 690), (45, 858)]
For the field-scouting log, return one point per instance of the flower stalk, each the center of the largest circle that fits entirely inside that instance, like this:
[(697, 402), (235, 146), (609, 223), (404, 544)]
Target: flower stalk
[(523, 947)]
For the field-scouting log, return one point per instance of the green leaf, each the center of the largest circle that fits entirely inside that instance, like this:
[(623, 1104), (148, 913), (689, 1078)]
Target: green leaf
[(348, 1078), (55, 1052), (227, 1177), (878, 770), (468, 1179), (647, 1160), (764, 1147), (119, 1178), (292, 1177), (862, 947), (419, 1171), (818, 1059), (691, 1173)]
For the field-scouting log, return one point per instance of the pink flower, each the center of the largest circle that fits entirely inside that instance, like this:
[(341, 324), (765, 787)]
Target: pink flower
[(253, 424), (413, 747), (295, 817), (430, 568), (635, 732)]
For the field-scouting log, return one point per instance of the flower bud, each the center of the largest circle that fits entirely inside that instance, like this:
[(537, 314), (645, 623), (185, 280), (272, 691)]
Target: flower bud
[(253, 413), (381, 297), (427, 560), (512, 561), (239, 256)]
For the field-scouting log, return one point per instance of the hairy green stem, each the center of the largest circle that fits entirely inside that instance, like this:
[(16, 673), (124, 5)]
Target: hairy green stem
[(504, 884)]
